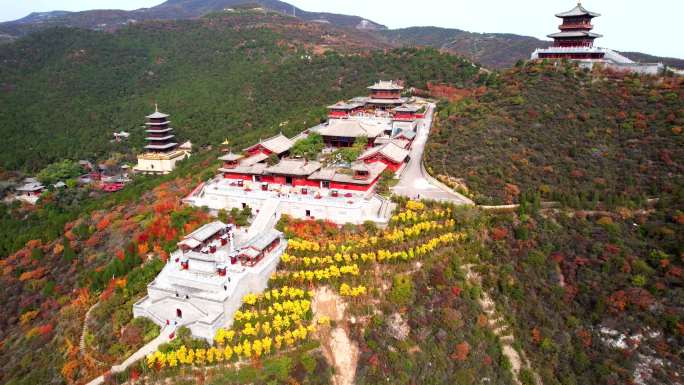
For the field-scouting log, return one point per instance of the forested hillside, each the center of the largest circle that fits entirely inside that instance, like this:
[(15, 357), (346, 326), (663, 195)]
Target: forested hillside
[(591, 284), (112, 19), (567, 134), (64, 91)]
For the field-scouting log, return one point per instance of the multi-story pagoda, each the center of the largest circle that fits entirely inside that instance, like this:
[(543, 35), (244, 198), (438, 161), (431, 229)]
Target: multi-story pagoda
[(576, 28), (385, 95), (575, 41), (162, 150)]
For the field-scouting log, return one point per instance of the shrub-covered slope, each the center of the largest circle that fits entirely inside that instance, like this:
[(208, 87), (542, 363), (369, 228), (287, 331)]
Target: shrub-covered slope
[(64, 91), (592, 288), (572, 136)]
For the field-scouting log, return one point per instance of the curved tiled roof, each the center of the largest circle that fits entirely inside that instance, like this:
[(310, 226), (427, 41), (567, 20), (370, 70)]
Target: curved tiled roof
[(579, 10), (352, 129), (294, 167), (277, 144)]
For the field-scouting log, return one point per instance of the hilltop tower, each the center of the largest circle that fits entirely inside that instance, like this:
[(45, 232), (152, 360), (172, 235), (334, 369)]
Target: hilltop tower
[(575, 31), (162, 150), (575, 41)]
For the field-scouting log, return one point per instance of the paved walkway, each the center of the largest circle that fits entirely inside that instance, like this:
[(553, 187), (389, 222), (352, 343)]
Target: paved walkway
[(151, 347), (415, 181)]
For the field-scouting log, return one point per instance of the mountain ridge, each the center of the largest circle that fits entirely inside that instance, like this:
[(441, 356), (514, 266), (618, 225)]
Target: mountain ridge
[(494, 50), (112, 19)]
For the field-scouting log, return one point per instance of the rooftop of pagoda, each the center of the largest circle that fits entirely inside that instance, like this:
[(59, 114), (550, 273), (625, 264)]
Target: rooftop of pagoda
[(157, 114), (578, 11)]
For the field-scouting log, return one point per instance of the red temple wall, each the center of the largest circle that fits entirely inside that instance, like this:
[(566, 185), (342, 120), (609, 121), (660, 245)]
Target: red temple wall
[(231, 175), (306, 182), (404, 116), (349, 186), (338, 114), (386, 94)]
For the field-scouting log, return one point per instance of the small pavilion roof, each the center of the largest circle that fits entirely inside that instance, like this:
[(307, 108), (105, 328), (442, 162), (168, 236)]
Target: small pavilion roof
[(255, 169), (386, 85), (579, 10), (381, 141), (408, 108), (277, 144), (254, 159), (207, 231), (294, 167), (31, 187), (352, 129), (334, 175), (260, 242), (390, 151), (574, 34), (231, 157)]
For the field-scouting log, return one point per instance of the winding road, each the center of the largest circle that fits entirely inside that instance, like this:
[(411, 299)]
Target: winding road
[(415, 181)]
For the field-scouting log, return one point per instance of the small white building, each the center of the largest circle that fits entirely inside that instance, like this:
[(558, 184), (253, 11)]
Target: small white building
[(203, 283), (30, 190)]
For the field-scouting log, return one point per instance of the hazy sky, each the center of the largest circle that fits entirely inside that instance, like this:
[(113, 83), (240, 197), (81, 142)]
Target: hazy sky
[(650, 26)]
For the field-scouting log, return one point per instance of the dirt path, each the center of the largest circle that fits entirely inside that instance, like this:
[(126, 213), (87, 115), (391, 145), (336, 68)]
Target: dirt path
[(339, 350), (500, 329)]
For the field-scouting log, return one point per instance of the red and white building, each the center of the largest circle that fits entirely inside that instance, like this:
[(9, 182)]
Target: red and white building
[(575, 41), (343, 110), (203, 282), (392, 155), (279, 145)]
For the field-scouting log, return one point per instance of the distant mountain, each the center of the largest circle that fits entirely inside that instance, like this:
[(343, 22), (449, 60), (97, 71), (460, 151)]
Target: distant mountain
[(170, 10), (495, 50)]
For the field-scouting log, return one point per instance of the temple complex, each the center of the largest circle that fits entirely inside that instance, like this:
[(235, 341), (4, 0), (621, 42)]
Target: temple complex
[(162, 152), (575, 41), (327, 186), (203, 282)]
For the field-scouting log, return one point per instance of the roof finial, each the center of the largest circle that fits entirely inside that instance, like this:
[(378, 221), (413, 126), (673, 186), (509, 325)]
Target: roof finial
[(156, 108)]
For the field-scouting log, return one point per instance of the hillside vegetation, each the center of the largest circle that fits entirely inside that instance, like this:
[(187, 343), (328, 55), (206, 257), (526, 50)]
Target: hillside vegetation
[(492, 50), (566, 134), (591, 288), (64, 91)]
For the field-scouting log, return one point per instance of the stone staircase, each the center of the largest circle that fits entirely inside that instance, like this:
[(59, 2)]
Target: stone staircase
[(268, 215)]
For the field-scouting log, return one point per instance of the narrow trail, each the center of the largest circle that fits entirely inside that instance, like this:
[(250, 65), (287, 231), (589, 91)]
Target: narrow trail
[(150, 347), (82, 342), (501, 329)]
